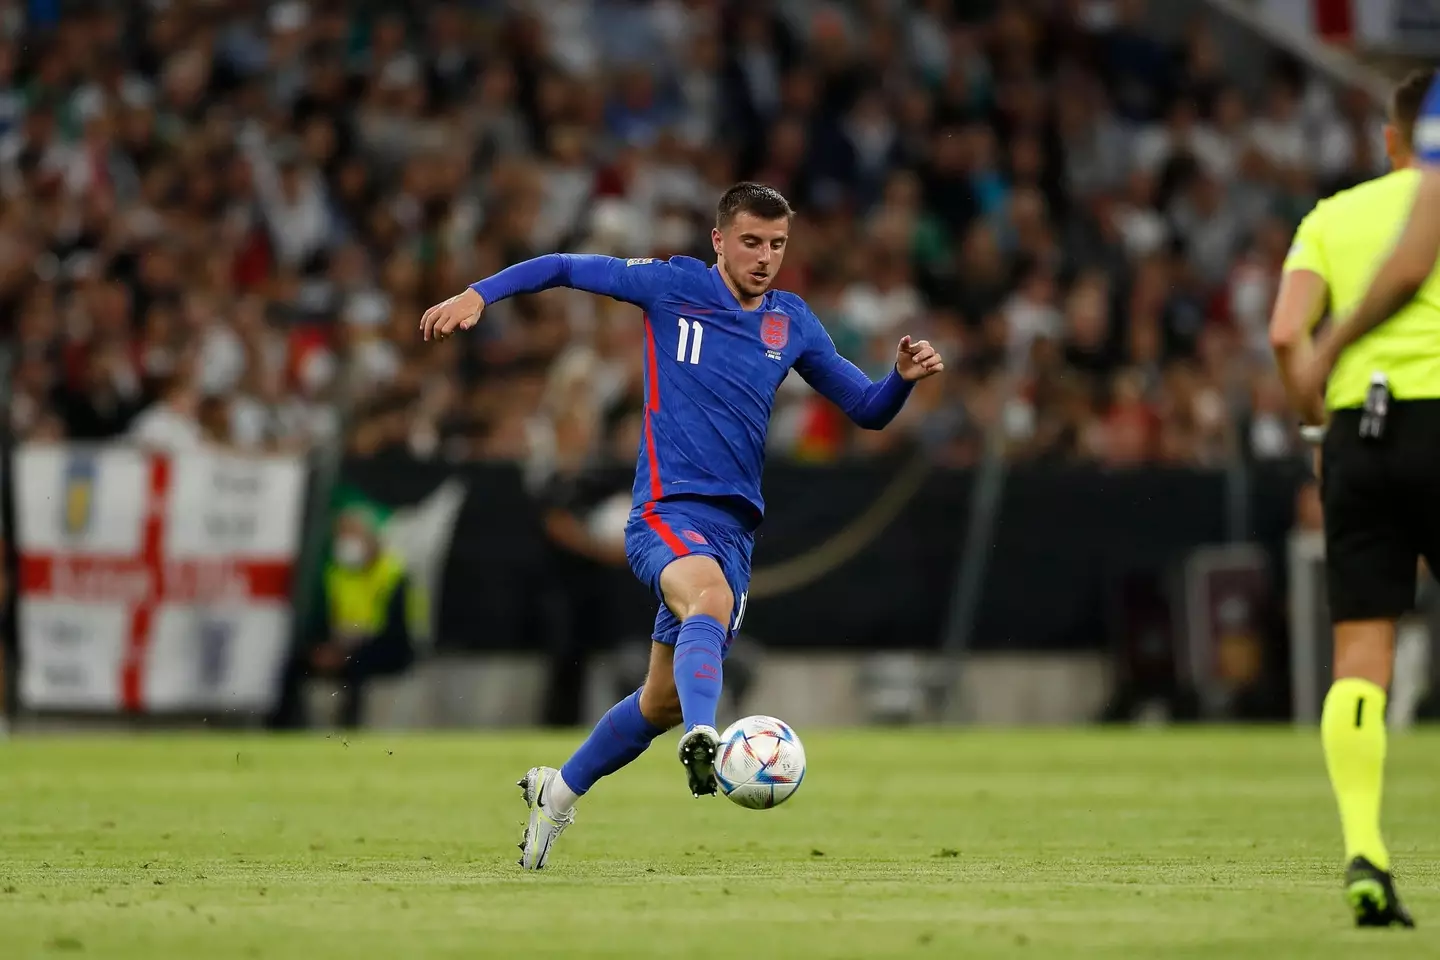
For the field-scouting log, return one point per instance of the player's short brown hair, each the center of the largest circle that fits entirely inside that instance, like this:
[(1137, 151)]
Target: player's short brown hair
[(753, 198), (1405, 102)]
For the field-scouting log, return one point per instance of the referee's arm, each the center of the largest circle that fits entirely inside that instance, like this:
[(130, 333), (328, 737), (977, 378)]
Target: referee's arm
[(1300, 304), (1402, 274), (1413, 257), (1302, 301)]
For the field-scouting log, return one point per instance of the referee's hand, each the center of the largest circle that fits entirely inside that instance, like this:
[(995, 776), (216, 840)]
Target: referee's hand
[(1311, 405)]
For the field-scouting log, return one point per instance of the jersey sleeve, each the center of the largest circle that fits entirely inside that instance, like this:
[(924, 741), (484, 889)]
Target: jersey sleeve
[(634, 281), (869, 404), (1427, 127), (1307, 250)]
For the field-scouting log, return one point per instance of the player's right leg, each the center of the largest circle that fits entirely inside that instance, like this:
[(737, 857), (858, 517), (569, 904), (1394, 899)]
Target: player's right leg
[(621, 735), (1370, 573)]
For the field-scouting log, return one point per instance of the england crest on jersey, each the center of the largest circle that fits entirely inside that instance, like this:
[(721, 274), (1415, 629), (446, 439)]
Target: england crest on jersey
[(775, 333)]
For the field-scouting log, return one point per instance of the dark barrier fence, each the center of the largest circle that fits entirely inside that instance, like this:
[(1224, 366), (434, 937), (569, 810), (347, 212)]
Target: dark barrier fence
[(856, 556)]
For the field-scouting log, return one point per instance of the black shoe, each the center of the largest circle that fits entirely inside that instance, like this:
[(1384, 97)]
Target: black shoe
[(697, 753), (1371, 893)]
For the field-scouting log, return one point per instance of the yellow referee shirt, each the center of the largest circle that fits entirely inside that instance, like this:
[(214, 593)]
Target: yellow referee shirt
[(1345, 239)]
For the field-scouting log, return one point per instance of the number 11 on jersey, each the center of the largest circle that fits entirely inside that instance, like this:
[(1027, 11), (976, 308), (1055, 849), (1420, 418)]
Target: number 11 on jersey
[(687, 328)]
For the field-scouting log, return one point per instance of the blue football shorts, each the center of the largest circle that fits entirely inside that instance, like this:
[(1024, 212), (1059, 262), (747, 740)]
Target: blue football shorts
[(658, 534)]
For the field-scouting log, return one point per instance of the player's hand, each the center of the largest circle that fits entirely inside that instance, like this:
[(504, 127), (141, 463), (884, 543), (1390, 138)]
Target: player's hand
[(460, 312), (917, 360)]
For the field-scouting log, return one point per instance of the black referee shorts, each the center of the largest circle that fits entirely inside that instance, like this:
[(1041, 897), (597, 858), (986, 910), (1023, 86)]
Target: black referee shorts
[(1382, 510)]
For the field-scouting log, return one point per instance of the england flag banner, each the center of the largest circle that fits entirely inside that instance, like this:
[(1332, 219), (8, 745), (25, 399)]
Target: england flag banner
[(151, 583)]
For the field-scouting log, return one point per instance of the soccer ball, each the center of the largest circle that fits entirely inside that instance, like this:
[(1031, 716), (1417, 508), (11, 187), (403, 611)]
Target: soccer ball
[(760, 763)]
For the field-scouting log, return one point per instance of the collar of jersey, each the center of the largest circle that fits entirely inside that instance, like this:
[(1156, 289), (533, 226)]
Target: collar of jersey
[(728, 298)]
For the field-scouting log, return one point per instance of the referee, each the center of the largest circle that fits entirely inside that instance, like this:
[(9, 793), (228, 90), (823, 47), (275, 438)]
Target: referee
[(1380, 473)]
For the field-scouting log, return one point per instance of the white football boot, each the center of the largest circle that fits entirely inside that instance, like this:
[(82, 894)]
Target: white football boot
[(545, 823), (697, 752)]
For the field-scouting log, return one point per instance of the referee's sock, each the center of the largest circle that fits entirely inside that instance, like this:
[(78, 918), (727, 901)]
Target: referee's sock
[(1352, 728)]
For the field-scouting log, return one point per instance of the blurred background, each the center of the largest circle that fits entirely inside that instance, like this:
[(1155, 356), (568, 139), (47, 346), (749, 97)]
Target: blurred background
[(239, 489)]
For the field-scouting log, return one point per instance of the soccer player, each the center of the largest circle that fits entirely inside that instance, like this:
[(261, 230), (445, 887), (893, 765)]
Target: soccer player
[(1380, 463), (718, 343)]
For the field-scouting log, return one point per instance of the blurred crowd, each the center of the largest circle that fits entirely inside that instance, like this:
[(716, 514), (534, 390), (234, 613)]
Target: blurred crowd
[(222, 220)]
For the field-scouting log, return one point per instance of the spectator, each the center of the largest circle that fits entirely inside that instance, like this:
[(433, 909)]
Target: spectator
[(257, 204), (364, 631), (172, 424), (1182, 135), (106, 398), (587, 502)]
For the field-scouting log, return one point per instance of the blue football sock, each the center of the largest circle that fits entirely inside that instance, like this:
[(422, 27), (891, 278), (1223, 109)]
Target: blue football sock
[(620, 736), (699, 670)]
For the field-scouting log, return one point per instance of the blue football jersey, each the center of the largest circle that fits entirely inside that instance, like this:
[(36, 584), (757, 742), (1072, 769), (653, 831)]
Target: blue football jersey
[(712, 368), (1427, 126)]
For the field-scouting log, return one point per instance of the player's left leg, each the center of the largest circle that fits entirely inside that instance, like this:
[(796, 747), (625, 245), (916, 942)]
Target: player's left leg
[(695, 590), (622, 735), (707, 594), (693, 566)]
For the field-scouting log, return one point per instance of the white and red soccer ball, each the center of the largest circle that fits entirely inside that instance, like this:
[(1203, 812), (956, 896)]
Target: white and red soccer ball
[(760, 763)]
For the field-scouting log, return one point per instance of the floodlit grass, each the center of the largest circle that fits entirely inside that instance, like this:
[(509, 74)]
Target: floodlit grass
[(1037, 844)]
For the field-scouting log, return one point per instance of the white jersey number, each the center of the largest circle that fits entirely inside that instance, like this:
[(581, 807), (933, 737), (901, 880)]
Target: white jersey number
[(692, 333)]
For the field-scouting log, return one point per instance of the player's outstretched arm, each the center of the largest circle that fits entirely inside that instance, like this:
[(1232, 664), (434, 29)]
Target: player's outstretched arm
[(460, 312), (628, 280), (870, 404)]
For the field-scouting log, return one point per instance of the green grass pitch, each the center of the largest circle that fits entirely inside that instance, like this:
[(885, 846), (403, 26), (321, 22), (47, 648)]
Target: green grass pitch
[(955, 843)]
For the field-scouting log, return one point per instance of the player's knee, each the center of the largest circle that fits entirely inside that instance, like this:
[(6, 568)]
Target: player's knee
[(713, 600), (708, 595), (697, 588), (660, 703)]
